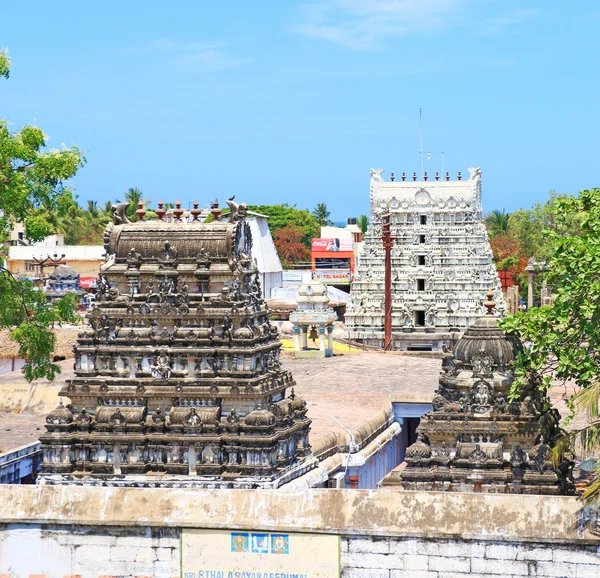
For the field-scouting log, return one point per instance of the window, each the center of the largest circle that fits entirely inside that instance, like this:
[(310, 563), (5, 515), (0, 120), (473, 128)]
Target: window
[(29, 266), (423, 219), (419, 318), (420, 284), (421, 239), (421, 260)]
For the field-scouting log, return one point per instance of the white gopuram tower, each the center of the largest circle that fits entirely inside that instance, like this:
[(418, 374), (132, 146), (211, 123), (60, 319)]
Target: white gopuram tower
[(441, 263)]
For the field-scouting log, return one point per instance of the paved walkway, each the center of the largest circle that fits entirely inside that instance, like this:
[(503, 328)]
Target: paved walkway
[(354, 388)]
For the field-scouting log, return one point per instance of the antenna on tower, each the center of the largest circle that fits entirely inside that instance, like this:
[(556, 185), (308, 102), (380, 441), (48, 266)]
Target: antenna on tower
[(421, 140)]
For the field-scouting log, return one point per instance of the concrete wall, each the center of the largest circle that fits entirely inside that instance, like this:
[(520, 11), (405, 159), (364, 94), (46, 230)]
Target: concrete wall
[(95, 531)]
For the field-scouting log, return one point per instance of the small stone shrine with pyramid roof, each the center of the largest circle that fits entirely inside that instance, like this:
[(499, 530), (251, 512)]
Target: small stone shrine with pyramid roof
[(476, 439), (441, 263), (177, 379)]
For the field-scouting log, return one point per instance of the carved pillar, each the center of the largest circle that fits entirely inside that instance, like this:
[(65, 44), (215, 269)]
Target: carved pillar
[(330, 339), (297, 338), (530, 275), (322, 339)]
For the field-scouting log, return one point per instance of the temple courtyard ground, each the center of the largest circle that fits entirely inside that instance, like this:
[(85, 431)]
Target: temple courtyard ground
[(347, 389)]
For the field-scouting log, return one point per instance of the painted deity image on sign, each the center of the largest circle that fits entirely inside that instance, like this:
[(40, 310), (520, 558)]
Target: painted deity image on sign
[(239, 541), (235, 554), (280, 543), (260, 543)]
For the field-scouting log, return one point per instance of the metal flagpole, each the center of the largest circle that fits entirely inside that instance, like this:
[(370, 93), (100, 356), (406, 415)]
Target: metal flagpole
[(421, 140)]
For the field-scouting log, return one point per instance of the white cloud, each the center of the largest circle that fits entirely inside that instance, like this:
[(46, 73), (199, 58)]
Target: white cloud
[(365, 24), (500, 24)]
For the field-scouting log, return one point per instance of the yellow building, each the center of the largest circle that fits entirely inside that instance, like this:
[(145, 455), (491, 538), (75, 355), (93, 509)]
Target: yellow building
[(28, 260)]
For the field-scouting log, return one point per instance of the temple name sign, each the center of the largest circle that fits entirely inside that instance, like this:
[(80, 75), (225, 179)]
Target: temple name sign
[(247, 554)]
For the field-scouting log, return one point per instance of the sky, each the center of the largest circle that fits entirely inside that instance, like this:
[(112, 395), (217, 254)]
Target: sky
[(294, 102)]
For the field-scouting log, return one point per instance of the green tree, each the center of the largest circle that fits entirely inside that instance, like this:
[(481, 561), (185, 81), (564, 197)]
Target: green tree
[(133, 196), (281, 215), (4, 63), (363, 222), (563, 338), (497, 222), (33, 191), (321, 213)]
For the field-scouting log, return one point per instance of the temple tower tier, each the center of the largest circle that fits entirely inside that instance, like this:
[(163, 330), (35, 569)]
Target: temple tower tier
[(477, 438), (441, 263), (178, 380)]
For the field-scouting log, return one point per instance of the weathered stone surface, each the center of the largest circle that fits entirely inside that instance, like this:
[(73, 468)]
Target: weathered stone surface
[(177, 379), (46, 530), (487, 517), (476, 439)]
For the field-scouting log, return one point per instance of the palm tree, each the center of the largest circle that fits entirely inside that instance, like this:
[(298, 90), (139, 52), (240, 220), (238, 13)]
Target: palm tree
[(93, 209), (321, 213), (133, 196), (363, 223), (497, 222)]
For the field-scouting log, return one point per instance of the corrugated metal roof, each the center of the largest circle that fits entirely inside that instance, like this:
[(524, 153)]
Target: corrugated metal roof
[(263, 248)]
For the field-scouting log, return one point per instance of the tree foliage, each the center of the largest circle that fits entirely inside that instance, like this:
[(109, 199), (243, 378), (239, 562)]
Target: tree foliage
[(290, 248), (363, 222), (497, 222), (519, 236), (280, 216), (33, 191), (4, 63), (562, 338), (321, 213)]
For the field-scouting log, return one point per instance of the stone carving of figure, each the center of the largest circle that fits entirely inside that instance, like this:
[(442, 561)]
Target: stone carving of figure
[(448, 363), (161, 369), (103, 285), (203, 261), (119, 214), (134, 259), (169, 255), (430, 316), (158, 417), (477, 455), (482, 364), (193, 418), (404, 315), (481, 396), (226, 329), (517, 457), (237, 211)]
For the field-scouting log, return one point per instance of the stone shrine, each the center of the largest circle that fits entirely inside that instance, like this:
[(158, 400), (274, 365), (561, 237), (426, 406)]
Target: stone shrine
[(441, 263), (476, 439), (315, 314), (63, 280), (178, 380)]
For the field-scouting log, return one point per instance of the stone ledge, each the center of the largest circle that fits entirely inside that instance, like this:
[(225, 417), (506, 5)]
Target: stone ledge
[(349, 512)]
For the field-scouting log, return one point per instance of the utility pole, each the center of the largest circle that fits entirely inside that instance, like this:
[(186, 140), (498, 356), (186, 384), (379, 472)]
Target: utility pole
[(388, 243), (421, 140), (49, 261)]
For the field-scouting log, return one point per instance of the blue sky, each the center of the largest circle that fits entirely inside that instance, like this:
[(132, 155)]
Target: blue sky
[(296, 101)]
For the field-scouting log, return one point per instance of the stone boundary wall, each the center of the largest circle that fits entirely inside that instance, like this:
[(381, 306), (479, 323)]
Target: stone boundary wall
[(97, 531)]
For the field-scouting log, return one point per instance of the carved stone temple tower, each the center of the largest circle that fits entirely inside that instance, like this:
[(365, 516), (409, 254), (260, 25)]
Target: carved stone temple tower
[(178, 379), (475, 439), (441, 263)]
